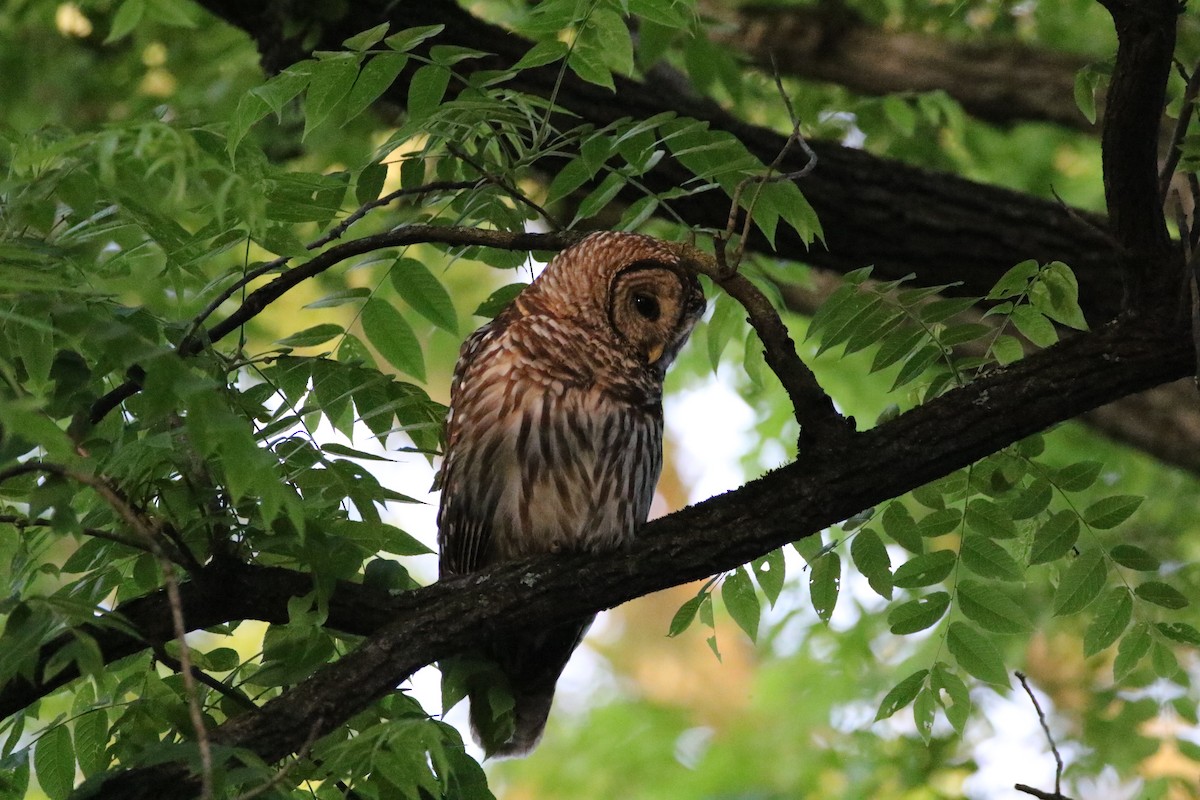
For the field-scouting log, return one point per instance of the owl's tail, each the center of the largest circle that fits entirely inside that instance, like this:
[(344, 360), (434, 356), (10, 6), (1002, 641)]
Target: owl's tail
[(532, 662)]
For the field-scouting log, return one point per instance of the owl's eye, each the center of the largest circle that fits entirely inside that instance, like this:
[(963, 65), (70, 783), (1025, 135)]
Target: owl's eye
[(647, 306)]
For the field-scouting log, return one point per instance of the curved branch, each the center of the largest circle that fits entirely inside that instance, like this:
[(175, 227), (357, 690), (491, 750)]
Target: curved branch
[(260, 298), (928, 442)]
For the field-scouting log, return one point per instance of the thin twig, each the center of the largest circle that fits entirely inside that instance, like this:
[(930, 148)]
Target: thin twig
[(20, 523), (510, 190), (758, 181), (1058, 771), (1175, 150), (224, 689), (821, 426), (263, 296), (334, 233)]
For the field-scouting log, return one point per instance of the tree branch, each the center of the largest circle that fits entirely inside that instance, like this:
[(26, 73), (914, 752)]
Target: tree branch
[(928, 442), (878, 211), (1136, 96), (1000, 82)]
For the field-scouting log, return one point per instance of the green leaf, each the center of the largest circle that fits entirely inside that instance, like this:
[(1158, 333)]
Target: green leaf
[(375, 78), (1032, 500), (1132, 557), (915, 365), (685, 615), (1034, 325), (741, 601), (924, 710), (924, 570), (990, 519), (987, 558), (976, 654), (612, 39), (897, 346), (1161, 594), (919, 614), (1054, 538), (91, 741), (1179, 632), (1078, 476), (901, 694), (770, 571), (542, 53), (1111, 511), (952, 695), (54, 762), (1056, 294), (1166, 666), (940, 522), (425, 293), (499, 300), (328, 86), (944, 308), (367, 39), (341, 298), (1132, 649), (310, 337), (988, 607), (125, 20), (1015, 282), (871, 557), (1109, 621), (1081, 583), (408, 39), (824, 582), (390, 334), (1085, 93), (1007, 350), (426, 90), (901, 527)]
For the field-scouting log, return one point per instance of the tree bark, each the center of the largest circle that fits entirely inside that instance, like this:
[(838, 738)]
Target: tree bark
[(999, 82), (877, 211)]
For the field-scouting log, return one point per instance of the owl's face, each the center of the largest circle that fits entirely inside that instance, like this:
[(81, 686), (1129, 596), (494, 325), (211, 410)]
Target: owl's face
[(652, 307), (625, 291)]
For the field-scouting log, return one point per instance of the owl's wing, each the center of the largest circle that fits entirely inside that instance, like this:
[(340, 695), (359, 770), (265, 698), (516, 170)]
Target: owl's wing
[(464, 527)]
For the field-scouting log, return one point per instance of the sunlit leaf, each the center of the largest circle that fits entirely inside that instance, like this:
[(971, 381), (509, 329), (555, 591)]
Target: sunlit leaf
[(901, 694), (1110, 620), (987, 606), (919, 614), (976, 654), (1081, 583), (741, 601)]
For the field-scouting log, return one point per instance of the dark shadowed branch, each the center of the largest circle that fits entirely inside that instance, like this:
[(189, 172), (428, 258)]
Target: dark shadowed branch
[(930, 441)]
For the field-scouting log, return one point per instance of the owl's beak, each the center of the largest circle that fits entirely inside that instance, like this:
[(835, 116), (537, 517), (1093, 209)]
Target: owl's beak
[(655, 353)]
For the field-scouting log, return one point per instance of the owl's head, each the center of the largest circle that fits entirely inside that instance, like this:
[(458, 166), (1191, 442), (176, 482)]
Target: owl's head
[(631, 287)]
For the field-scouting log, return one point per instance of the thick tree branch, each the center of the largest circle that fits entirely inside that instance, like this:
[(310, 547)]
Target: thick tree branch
[(1136, 96), (1001, 82), (218, 593), (874, 211), (1127, 356)]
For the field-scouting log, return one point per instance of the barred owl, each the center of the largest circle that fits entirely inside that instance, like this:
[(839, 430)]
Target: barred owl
[(554, 441)]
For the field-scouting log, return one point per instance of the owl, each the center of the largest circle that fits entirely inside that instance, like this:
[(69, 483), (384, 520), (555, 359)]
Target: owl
[(554, 442)]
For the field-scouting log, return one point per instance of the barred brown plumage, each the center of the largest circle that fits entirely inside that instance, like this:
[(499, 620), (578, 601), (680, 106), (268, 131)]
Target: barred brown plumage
[(554, 441)]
